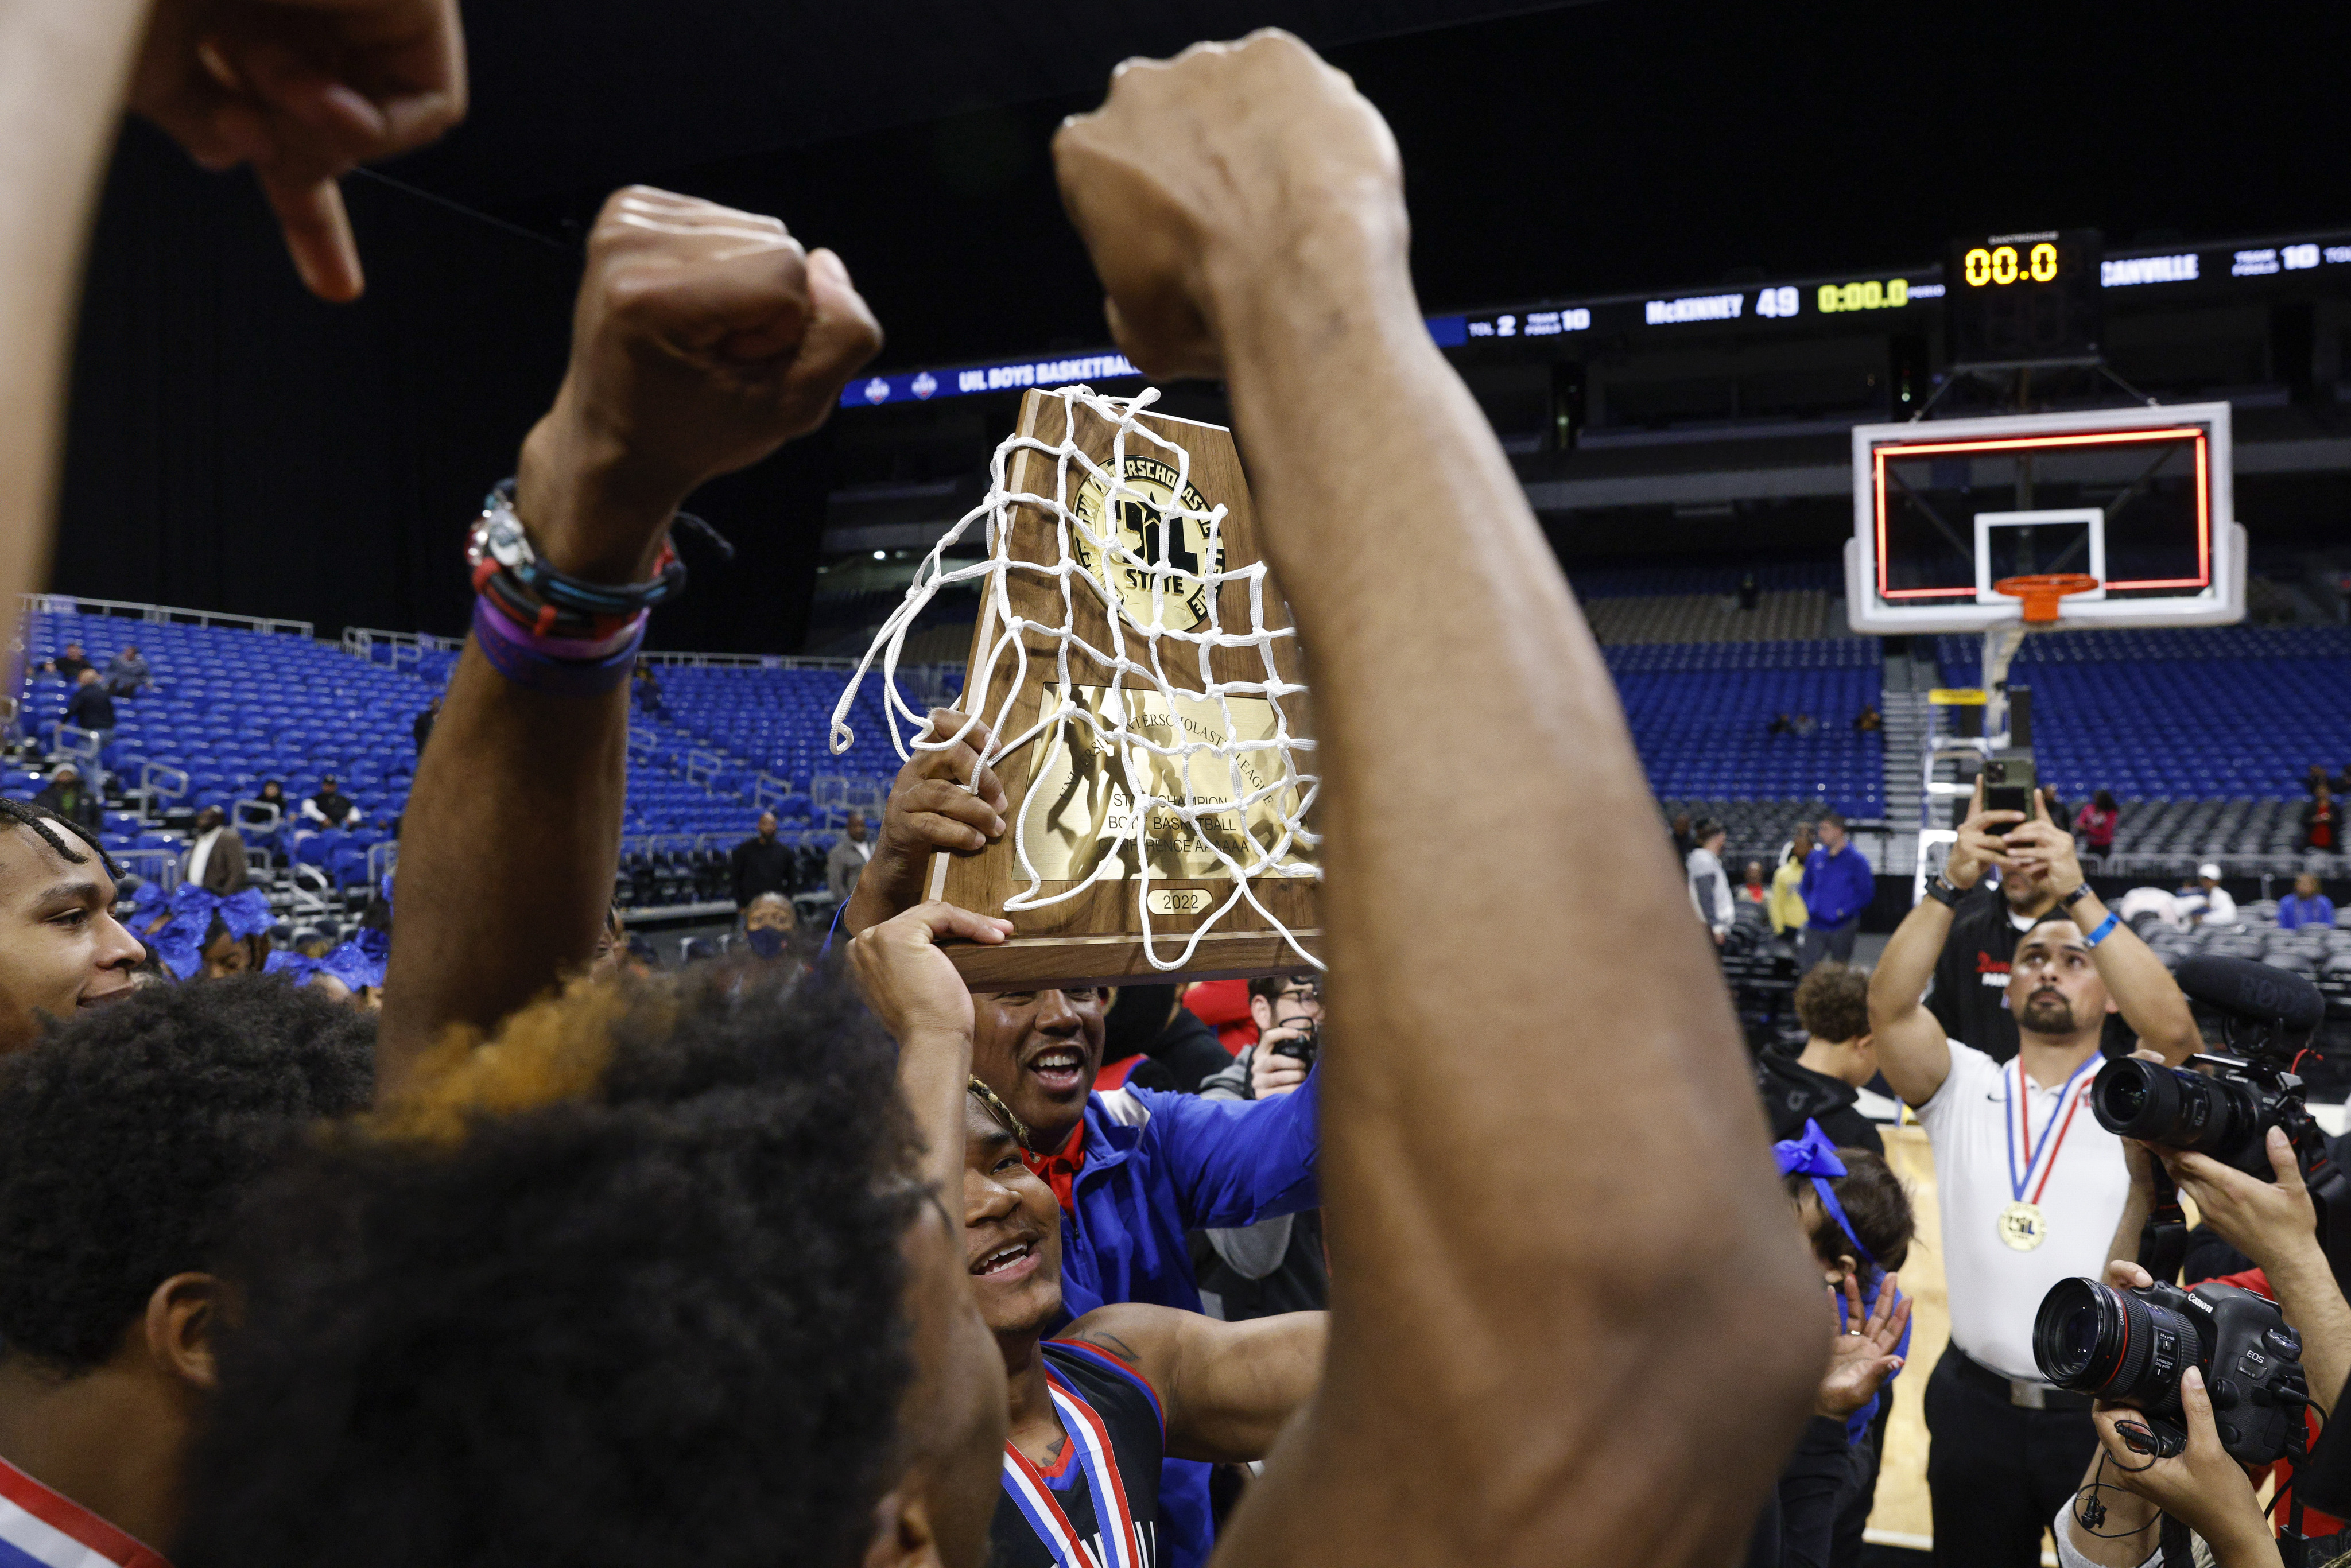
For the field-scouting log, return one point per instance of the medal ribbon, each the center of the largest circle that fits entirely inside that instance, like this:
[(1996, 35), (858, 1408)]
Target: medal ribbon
[(2052, 1136), (1035, 1500)]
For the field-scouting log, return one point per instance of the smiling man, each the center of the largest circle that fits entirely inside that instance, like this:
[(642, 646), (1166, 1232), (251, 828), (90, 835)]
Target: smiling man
[(61, 949), (1135, 1171), (1096, 1409)]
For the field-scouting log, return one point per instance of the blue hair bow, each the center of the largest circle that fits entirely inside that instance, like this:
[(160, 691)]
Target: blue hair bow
[(1813, 1155), (180, 941), (358, 964)]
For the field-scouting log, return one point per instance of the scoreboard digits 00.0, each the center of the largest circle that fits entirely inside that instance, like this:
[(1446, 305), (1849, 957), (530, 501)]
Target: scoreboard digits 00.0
[(2025, 299)]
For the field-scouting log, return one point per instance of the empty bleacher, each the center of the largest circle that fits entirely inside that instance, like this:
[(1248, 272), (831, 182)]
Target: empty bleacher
[(1700, 714)]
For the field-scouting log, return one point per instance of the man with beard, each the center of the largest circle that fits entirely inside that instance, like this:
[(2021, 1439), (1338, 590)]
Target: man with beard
[(2030, 1184), (1136, 1170), (1096, 1409)]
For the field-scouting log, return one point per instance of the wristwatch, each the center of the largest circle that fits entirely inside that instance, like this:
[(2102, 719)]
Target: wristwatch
[(1940, 889), (2075, 898)]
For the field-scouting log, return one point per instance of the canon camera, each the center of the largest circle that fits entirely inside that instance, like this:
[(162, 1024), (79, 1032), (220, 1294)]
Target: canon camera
[(2227, 1109), (2130, 1347)]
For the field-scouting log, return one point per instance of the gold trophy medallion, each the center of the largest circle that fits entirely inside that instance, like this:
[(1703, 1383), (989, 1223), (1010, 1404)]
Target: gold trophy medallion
[(2023, 1226)]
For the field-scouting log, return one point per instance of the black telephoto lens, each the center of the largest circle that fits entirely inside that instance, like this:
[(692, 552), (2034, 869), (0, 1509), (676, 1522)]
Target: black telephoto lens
[(2181, 1109), (2136, 1099)]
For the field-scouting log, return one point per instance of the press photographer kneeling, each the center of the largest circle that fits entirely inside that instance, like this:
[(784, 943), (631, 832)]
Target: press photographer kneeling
[(2198, 1388)]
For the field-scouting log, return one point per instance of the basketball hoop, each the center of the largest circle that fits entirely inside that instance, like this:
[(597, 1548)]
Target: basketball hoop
[(2042, 593)]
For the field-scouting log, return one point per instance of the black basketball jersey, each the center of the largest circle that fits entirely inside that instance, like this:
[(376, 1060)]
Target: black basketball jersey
[(1107, 1409)]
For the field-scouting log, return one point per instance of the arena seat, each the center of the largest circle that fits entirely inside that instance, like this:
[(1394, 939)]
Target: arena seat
[(1700, 714)]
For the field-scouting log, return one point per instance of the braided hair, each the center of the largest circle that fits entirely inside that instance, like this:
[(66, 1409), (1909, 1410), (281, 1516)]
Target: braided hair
[(41, 820)]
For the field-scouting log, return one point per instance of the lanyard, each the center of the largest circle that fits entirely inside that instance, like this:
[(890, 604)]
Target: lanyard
[(1029, 1493), (2052, 1136)]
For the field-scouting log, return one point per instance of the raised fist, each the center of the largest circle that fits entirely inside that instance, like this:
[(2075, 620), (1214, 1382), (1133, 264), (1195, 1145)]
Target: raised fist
[(303, 90), (1202, 178), (703, 338)]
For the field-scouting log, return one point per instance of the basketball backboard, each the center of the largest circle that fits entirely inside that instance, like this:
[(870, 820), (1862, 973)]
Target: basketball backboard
[(2137, 497)]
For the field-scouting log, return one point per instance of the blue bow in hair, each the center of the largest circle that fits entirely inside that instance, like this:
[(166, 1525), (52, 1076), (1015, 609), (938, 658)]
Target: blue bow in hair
[(1813, 1155), (358, 964), (180, 941)]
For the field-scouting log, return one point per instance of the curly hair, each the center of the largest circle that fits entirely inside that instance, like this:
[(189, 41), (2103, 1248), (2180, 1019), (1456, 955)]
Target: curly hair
[(1832, 1001), (653, 1320), (128, 1134)]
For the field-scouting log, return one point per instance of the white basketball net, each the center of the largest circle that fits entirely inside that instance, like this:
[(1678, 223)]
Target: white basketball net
[(1135, 665)]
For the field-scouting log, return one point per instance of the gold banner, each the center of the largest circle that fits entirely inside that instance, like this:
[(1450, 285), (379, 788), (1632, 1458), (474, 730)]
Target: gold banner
[(1082, 788)]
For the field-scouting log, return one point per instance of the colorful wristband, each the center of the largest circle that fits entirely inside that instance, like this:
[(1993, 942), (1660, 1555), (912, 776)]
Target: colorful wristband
[(514, 655), (2105, 928)]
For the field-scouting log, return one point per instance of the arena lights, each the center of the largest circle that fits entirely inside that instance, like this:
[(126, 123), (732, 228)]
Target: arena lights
[(2195, 433)]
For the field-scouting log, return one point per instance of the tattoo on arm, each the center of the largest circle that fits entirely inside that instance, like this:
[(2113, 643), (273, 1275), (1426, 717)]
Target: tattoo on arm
[(1103, 1339)]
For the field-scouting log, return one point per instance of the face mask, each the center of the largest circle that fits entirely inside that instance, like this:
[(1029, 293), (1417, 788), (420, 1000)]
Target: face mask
[(767, 942)]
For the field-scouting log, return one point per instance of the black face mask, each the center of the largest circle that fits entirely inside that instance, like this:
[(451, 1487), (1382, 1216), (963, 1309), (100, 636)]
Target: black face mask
[(767, 941)]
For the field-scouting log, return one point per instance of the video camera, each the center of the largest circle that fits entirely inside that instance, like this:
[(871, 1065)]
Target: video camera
[(2130, 1347), (2268, 1019)]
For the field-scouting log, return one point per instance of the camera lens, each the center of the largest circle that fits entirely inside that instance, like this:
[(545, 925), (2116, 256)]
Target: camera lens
[(2136, 1099), (2181, 1109), (2093, 1339)]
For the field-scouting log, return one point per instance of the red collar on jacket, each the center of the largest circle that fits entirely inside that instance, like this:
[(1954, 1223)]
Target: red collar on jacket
[(1060, 1167)]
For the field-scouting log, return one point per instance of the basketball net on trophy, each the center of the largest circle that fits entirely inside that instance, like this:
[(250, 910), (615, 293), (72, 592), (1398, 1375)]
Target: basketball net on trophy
[(1139, 670)]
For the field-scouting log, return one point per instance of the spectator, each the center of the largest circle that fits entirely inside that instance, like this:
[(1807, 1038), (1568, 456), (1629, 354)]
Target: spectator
[(1750, 592), (847, 861), (66, 666), (768, 922), (645, 687), (1837, 886), (127, 674), (762, 864), (331, 807), (1869, 721), (1150, 1039), (1276, 1265), (1779, 725), (215, 859), (1223, 1005), (2322, 822), (420, 729), (1755, 888), (1787, 906), (91, 707), (1684, 841), (1804, 724), (1710, 884), (1823, 1083), (2205, 901), (2097, 822), (2030, 1192), (70, 797), (2307, 905), (2316, 780)]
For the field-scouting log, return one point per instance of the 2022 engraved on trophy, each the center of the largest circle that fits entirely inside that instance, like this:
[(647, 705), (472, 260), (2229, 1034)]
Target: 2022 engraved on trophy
[(1140, 672)]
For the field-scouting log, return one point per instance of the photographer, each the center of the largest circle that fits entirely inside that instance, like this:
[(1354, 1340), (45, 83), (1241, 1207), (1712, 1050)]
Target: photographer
[(2031, 1185), (2274, 1224), (1275, 1265), (2116, 1520)]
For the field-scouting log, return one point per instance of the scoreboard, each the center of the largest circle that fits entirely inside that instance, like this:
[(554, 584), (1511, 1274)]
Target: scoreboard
[(2025, 299)]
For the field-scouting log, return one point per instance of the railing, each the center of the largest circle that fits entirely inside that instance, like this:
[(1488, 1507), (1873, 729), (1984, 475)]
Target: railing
[(162, 778), (836, 794), (745, 661), (702, 766), (381, 860), (399, 648), (767, 790), (68, 605), (68, 740), (159, 866)]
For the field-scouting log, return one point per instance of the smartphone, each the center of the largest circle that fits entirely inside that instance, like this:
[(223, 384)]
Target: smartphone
[(2009, 783)]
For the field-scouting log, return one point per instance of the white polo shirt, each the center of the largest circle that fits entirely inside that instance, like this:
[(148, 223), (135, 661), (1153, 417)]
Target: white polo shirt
[(2079, 1182)]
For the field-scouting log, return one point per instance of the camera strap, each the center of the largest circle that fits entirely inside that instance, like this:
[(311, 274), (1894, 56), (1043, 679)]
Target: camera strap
[(2163, 1240), (2178, 1549)]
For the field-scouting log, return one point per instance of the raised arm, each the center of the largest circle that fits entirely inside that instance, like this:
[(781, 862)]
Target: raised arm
[(1226, 1390), (705, 337), (938, 805), (1521, 1246), (2150, 1000), (1912, 1052)]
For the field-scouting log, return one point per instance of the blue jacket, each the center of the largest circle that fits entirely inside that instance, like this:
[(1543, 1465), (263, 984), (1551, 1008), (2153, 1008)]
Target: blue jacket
[(1189, 1164), (1837, 887), (2295, 912)]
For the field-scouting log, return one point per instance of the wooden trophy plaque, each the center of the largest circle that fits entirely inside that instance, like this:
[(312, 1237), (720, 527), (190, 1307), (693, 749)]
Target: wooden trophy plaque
[(1070, 793)]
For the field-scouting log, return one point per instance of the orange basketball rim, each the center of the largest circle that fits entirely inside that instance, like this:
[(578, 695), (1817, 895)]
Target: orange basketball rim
[(2042, 593)]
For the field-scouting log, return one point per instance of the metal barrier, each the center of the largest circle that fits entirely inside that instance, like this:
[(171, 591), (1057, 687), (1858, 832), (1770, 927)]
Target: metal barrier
[(162, 778), (832, 794), (399, 648), (260, 816), (767, 790), (68, 605), (160, 866), (702, 766), (65, 740), (382, 859)]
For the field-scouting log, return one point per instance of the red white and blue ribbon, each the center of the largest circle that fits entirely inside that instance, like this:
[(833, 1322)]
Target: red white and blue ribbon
[(1114, 1518), (40, 1529), (2044, 1155)]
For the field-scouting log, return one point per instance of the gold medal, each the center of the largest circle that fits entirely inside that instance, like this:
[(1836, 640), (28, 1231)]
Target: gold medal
[(2023, 1226)]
